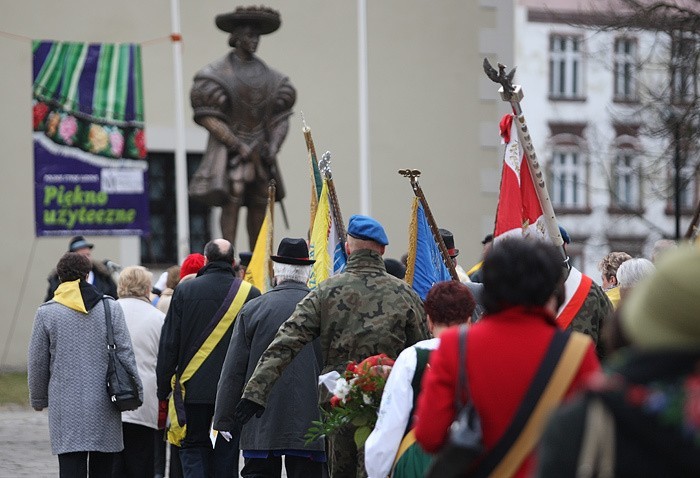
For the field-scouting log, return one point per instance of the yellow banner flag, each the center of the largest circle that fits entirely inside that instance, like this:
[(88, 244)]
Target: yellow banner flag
[(318, 249), (259, 271)]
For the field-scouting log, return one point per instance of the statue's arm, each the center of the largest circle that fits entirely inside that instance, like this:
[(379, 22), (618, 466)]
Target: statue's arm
[(284, 100), (208, 101)]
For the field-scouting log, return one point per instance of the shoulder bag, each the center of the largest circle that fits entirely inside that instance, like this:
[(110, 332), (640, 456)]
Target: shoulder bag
[(121, 385)]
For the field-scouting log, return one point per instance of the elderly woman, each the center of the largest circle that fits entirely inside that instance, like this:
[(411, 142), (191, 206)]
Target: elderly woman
[(632, 272), (145, 323), (608, 267), (67, 369)]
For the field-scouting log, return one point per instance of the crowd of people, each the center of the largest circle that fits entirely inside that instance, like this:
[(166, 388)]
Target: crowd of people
[(567, 378)]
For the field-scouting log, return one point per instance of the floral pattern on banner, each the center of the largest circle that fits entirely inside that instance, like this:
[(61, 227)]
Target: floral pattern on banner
[(101, 139), (355, 401)]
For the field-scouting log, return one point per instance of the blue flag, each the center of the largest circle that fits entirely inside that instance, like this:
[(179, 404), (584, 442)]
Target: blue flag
[(424, 266)]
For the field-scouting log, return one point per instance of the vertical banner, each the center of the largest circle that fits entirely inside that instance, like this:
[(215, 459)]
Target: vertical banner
[(90, 168)]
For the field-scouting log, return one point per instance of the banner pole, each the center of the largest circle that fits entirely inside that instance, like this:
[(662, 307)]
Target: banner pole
[(181, 202)]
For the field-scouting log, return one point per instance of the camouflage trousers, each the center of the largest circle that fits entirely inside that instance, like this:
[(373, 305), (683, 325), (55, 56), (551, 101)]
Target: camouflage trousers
[(345, 460)]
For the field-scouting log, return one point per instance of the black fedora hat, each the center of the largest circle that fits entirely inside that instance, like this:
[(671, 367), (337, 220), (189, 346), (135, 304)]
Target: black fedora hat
[(449, 241), (294, 252), (263, 20)]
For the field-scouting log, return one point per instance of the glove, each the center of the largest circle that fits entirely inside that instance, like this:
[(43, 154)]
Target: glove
[(162, 413), (246, 409)]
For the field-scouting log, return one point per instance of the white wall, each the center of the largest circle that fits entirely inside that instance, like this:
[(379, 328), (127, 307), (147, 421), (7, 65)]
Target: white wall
[(430, 108)]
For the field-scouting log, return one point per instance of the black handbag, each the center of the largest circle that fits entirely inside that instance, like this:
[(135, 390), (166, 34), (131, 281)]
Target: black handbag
[(122, 387), (464, 444)]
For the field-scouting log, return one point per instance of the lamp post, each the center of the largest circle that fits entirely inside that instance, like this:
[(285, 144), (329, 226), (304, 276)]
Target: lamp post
[(677, 174)]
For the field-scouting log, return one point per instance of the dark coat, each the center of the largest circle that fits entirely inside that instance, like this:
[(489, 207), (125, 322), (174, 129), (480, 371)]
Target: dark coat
[(193, 305), (654, 399), (292, 405), (103, 282)]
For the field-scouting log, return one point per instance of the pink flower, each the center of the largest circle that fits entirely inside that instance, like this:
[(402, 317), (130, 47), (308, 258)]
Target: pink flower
[(116, 140), (68, 128)]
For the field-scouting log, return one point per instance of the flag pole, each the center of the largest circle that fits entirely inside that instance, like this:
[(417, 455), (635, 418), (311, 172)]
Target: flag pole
[(513, 94), (325, 167), (181, 203), (413, 175), (271, 191)]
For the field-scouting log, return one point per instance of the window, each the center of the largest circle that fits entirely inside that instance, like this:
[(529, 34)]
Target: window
[(161, 246), (565, 67), (568, 179), (625, 69), (688, 188), (684, 67), (626, 187)]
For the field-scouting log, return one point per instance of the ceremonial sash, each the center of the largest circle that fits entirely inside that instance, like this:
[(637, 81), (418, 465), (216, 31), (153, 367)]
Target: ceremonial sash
[(210, 338), (576, 287)]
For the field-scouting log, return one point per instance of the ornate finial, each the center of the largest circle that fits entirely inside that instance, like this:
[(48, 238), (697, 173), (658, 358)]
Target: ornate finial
[(325, 165), (500, 76), (305, 128), (409, 173)]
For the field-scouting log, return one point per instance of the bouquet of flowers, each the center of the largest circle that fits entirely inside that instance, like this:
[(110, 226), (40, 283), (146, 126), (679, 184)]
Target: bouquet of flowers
[(355, 400)]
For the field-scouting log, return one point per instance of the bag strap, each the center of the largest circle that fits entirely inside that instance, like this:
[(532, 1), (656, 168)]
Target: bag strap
[(226, 305), (110, 331), (553, 378), (462, 385), (597, 457)]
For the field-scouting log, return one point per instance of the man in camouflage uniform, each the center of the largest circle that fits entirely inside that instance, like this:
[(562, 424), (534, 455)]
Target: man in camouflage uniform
[(593, 312), (361, 312)]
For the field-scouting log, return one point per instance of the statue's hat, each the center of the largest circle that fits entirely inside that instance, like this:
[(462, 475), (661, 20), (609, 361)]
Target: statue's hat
[(264, 20)]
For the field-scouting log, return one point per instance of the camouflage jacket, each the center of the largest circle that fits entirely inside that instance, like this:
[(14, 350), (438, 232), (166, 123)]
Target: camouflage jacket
[(594, 312), (361, 312)]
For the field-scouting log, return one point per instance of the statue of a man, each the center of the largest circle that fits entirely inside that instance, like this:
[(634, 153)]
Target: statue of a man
[(245, 105)]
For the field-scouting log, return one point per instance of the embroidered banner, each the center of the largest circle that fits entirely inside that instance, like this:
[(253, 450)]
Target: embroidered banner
[(90, 168)]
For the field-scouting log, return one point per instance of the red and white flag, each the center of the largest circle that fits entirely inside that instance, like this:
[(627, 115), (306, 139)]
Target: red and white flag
[(519, 214), (519, 211)]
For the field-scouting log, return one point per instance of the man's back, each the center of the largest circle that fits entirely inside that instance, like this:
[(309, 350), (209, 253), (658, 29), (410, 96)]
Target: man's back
[(366, 311), (194, 304)]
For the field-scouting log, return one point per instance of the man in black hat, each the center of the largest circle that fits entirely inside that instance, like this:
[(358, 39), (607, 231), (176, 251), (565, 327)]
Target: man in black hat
[(245, 106), (265, 439), (99, 275)]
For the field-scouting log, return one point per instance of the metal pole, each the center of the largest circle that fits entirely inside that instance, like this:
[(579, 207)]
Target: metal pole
[(677, 179), (365, 177), (181, 203)]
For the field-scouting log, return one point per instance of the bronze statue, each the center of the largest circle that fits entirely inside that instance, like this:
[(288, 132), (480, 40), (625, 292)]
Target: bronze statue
[(245, 106)]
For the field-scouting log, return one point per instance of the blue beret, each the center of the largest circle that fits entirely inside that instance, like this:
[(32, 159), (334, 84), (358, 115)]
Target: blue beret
[(368, 229)]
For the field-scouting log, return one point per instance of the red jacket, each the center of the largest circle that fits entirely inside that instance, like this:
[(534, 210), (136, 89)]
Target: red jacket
[(504, 351)]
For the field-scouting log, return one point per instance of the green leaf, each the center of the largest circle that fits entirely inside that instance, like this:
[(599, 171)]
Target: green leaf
[(361, 435), (359, 420)]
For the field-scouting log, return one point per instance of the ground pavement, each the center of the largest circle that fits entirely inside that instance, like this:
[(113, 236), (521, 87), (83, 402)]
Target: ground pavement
[(25, 448)]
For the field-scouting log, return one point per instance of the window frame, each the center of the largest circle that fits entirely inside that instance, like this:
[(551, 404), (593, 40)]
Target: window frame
[(626, 59), (571, 58)]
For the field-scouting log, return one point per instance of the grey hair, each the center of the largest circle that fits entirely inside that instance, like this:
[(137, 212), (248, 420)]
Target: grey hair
[(632, 271), (290, 272), (660, 247)]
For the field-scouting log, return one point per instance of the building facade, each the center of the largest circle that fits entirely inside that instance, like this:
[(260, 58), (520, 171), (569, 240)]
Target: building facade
[(593, 104)]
